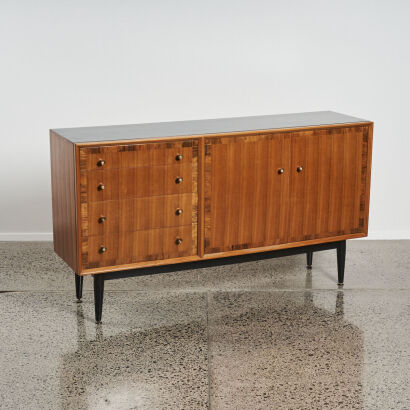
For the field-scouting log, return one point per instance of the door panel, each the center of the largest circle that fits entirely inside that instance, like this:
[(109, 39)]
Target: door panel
[(245, 197), (327, 196)]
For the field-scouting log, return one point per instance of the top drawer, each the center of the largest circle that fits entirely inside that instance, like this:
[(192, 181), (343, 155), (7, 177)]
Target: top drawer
[(134, 155)]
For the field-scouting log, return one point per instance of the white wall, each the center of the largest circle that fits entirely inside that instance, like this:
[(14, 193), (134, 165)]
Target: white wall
[(78, 63)]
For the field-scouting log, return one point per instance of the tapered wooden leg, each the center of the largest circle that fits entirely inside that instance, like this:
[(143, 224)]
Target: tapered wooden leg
[(79, 286), (98, 296), (341, 257), (309, 259)]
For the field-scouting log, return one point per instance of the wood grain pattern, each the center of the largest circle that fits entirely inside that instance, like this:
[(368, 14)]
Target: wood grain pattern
[(138, 214), (64, 198), (365, 198), (327, 196), (246, 199), (234, 200), (248, 205), (124, 183), (146, 245), (143, 198), (134, 155)]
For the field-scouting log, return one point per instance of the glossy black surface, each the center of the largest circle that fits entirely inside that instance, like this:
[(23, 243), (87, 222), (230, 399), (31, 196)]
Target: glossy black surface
[(201, 127)]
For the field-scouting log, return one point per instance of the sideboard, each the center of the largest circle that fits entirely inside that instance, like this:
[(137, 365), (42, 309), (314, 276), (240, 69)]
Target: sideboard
[(130, 199)]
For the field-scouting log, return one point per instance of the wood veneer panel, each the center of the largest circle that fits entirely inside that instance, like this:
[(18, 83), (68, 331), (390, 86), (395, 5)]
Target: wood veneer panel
[(138, 214), (64, 196), (139, 246), (327, 197), (246, 200), (134, 155), (141, 181), (141, 199)]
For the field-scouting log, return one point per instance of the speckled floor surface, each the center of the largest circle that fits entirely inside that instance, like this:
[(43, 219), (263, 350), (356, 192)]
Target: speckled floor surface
[(257, 335)]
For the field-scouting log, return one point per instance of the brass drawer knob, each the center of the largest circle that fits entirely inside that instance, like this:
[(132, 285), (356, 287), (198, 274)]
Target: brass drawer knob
[(178, 241), (281, 171), (179, 157), (103, 249), (101, 162), (299, 169), (101, 187), (178, 211), (178, 180), (102, 219)]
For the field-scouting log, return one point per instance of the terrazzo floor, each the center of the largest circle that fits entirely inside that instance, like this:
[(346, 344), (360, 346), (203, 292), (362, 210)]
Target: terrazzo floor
[(267, 334)]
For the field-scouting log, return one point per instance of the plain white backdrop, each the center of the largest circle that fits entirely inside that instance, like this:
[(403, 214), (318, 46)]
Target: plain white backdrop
[(83, 63)]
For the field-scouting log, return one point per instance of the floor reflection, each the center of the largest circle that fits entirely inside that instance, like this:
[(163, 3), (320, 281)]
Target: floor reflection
[(138, 369), (267, 350)]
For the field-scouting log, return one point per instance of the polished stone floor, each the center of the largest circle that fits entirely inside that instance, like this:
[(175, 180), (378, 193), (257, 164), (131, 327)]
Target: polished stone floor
[(257, 335)]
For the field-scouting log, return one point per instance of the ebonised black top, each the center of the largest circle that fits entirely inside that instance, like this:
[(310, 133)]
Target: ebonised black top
[(200, 127)]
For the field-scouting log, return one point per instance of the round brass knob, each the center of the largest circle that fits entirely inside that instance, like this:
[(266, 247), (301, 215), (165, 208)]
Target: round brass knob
[(101, 162), (281, 171), (178, 241), (299, 169), (179, 157), (102, 219), (103, 249), (179, 211), (101, 187), (178, 180)]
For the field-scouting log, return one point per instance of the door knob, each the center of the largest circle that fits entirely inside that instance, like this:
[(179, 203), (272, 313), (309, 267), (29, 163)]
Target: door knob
[(101, 162), (103, 249), (101, 187), (299, 169), (178, 180), (178, 241), (102, 219), (179, 157), (179, 211), (281, 171)]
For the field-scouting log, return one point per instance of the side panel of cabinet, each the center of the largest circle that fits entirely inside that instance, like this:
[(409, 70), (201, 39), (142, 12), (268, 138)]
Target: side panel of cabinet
[(328, 196), (63, 185), (245, 198)]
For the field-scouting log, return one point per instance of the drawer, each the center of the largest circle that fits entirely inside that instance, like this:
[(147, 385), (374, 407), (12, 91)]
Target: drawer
[(138, 214), (139, 246), (144, 181), (134, 155)]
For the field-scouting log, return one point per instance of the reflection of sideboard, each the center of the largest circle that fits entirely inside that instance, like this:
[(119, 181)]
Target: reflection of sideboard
[(139, 362), (146, 195)]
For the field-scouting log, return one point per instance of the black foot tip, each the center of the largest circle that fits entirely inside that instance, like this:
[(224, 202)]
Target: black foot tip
[(340, 284), (98, 322), (309, 266), (79, 301)]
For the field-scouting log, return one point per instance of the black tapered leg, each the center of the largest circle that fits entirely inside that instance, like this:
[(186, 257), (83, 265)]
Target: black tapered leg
[(341, 257), (309, 259), (98, 296), (79, 286)]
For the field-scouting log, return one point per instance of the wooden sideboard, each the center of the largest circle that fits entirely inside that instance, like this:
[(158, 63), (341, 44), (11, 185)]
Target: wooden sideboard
[(142, 196)]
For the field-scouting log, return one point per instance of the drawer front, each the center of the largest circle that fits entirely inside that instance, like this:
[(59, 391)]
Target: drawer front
[(146, 245), (134, 155), (141, 181), (139, 214), (130, 208)]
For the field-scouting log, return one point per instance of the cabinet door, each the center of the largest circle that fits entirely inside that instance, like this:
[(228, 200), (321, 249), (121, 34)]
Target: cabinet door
[(328, 195), (246, 199)]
